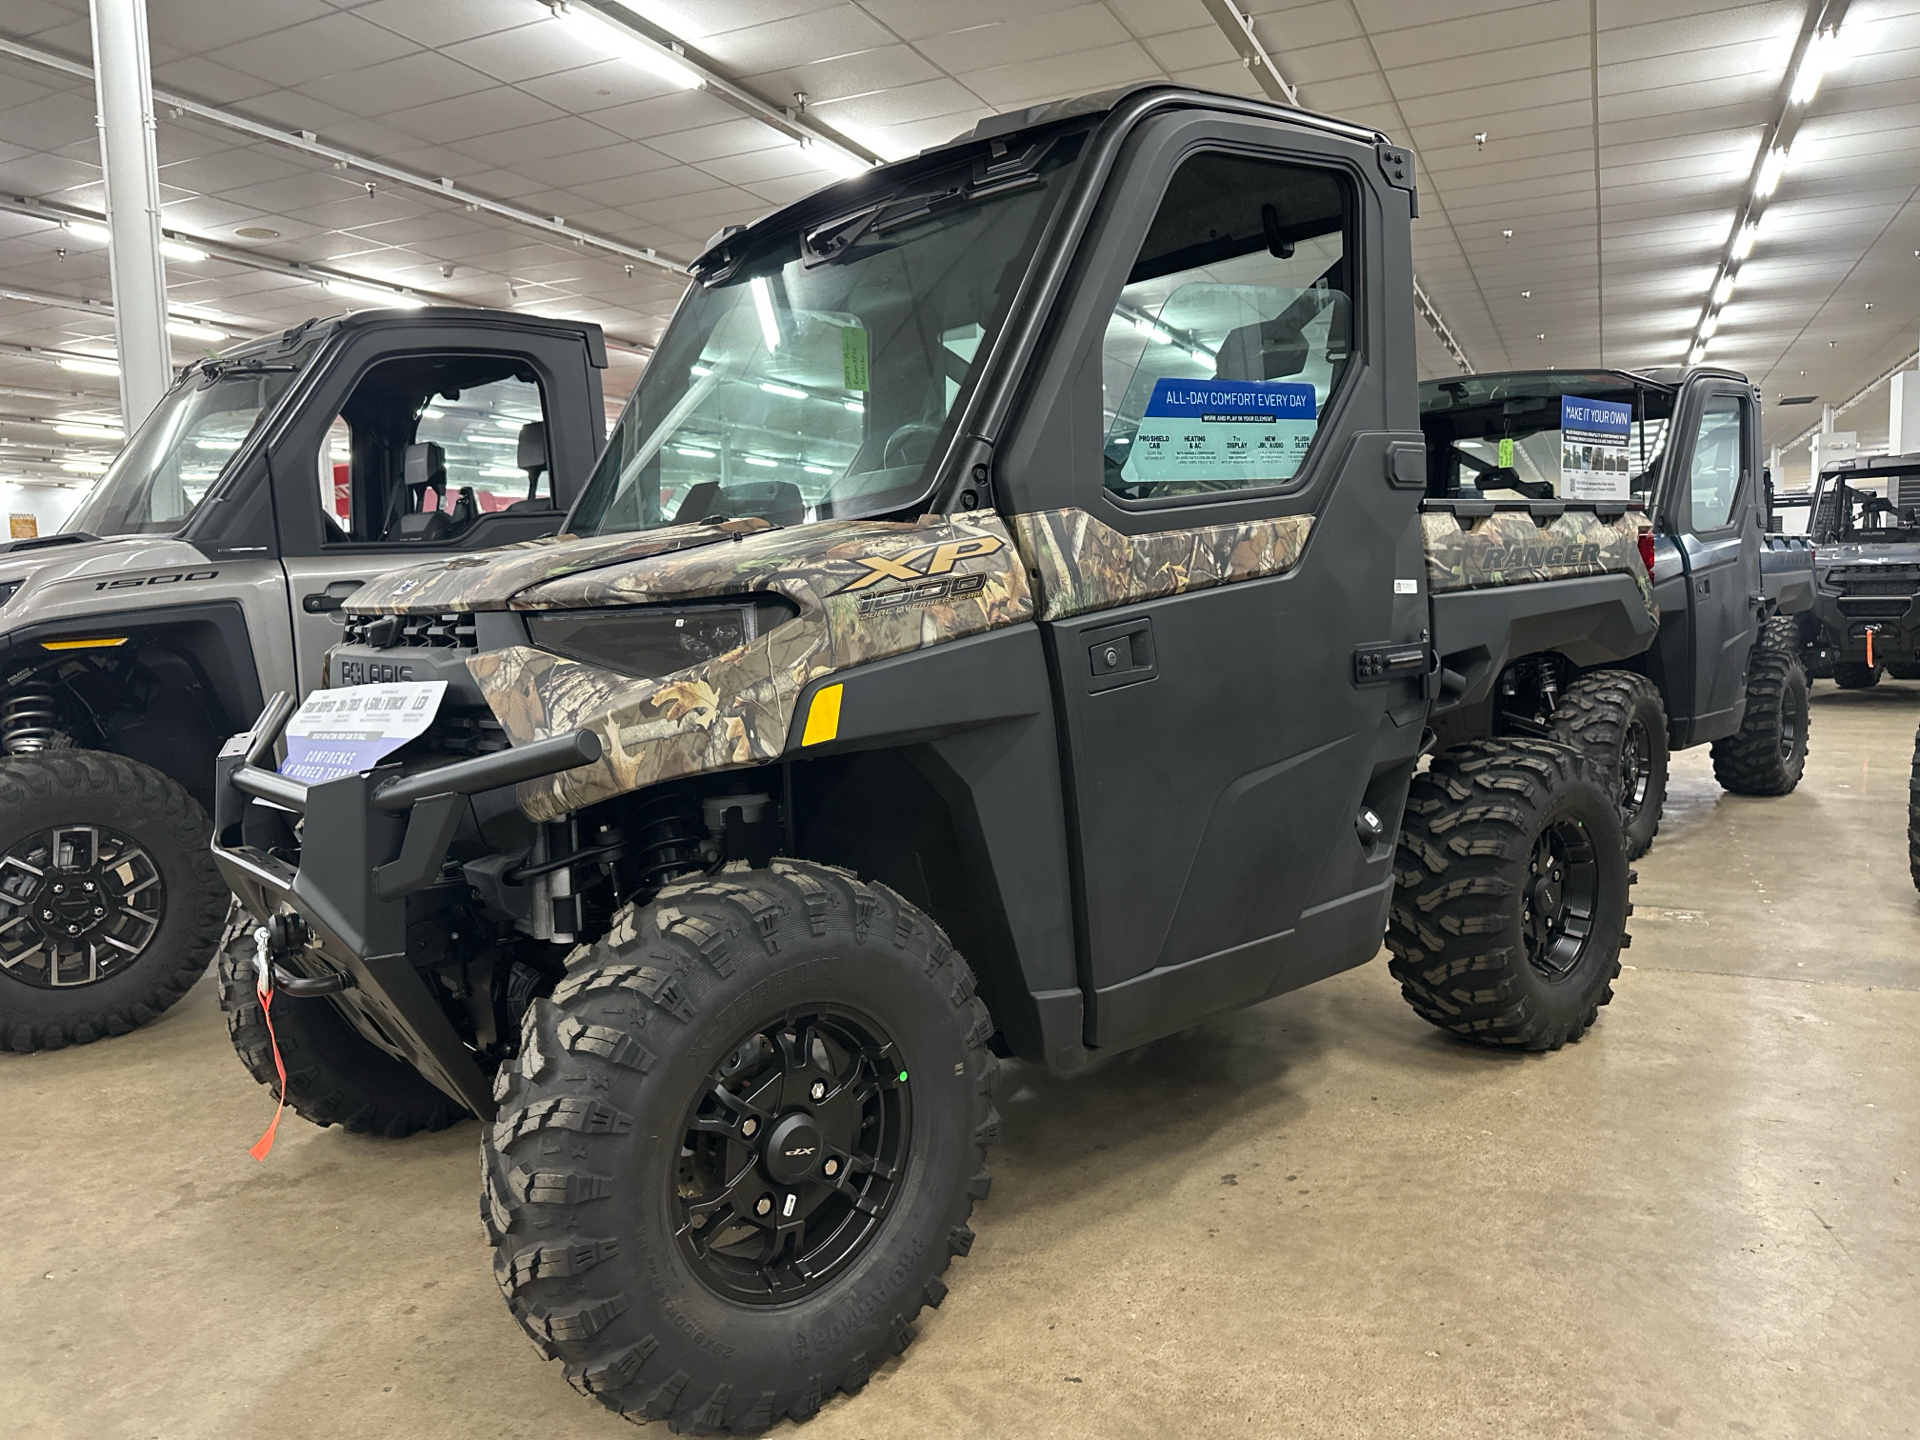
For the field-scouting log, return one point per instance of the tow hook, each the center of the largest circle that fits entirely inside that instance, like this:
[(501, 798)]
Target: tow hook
[(280, 937)]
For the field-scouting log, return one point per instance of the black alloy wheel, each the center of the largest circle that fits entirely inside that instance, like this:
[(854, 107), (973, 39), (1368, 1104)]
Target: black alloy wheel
[(1557, 906), (793, 1155), (1636, 769), (78, 905)]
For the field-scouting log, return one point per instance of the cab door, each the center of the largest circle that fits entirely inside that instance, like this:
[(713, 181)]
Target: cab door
[(420, 442), (1236, 557), (1709, 518)]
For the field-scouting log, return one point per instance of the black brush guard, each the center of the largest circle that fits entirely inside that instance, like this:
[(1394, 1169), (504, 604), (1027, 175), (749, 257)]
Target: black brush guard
[(368, 842)]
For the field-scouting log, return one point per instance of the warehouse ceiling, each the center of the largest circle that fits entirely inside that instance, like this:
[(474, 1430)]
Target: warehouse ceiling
[(1583, 163)]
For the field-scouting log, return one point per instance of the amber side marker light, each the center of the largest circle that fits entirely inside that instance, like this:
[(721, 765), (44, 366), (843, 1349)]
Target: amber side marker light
[(102, 642)]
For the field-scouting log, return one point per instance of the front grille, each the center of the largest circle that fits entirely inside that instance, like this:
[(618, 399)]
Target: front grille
[(460, 734), (1864, 607), (451, 631), (1877, 587)]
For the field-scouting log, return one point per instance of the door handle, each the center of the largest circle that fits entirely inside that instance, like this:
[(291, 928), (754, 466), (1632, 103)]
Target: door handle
[(332, 598), (1120, 655), (1705, 585)]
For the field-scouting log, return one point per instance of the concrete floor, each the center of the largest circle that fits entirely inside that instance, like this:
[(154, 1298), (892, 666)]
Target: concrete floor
[(1314, 1218)]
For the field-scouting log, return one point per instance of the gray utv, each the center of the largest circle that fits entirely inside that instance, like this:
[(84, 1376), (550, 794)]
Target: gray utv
[(206, 570)]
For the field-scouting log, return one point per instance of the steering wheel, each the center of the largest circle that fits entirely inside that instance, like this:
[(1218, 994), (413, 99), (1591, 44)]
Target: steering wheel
[(897, 441)]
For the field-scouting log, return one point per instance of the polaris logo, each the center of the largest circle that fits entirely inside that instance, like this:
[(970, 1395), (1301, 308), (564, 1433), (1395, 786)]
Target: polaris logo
[(366, 672)]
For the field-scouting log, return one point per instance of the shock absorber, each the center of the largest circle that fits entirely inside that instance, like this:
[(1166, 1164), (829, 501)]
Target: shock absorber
[(667, 835), (30, 720)]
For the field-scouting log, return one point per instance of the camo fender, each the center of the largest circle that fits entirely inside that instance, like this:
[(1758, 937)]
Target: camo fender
[(1513, 548), (1079, 563), (866, 590)]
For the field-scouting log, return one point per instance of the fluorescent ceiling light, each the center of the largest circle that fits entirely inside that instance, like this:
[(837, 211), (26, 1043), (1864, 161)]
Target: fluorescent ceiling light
[(604, 34), (692, 452), (763, 304), (83, 467), (1201, 358), (87, 366), (762, 462), (1696, 355), (1152, 331), (1710, 325), (841, 162), (1771, 169), (501, 472), (373, 294), (700, 370), (489, 439), (188, 330), (1723, 291), (1743, 242), (92, 432), (100, 235), (787, 390), (227, 444), (855, 406), (1813, 68), (816, 470)]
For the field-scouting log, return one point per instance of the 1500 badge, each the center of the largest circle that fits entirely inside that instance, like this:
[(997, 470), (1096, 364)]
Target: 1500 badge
[(179, 577), (922, 569)]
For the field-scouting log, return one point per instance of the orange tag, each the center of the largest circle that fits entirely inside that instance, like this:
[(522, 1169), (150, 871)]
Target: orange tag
[(265, 1142), (1869, 647)]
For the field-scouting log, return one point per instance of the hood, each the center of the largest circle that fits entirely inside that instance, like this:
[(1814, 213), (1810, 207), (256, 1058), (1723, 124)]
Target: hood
[(85, 563), (493, 579)]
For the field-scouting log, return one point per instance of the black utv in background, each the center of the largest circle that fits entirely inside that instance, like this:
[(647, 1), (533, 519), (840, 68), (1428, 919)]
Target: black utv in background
[(1010, 618), (1865, 527), (1685, 445), (204, 571)]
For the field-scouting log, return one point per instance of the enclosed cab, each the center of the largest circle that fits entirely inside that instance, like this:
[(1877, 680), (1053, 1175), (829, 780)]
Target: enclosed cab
[(205, 571), (1680, 450), (1003, 622)]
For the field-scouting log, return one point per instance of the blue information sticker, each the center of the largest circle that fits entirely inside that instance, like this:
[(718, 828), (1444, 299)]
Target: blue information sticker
[(1593, 449), (1238, 430)]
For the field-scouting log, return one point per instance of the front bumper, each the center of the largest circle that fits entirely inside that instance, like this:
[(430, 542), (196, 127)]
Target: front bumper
[(365, 843)]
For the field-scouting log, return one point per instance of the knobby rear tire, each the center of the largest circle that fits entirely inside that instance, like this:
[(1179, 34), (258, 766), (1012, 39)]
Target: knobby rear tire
[(1595, 716), (1461, 875), (1767, 755)]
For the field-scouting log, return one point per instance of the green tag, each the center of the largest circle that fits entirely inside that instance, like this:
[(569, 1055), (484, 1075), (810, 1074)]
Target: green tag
[(1506, 453), (853, 356)]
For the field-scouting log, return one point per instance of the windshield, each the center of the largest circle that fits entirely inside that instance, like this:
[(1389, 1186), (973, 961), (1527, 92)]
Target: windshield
[(1543, 435), (161, 475), (816, 380), (1883, 509)]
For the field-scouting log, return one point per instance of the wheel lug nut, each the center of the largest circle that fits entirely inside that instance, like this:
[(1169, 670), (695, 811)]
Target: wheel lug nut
[(99, 909), (750, 1127), (88, 886), (73, 929), (831, 1168), (763, 1206), (818, 1090), (59, 889)]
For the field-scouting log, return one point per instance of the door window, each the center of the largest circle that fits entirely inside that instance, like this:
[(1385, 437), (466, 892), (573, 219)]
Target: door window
[(427, 444), (1717, 452), (1233, 331)]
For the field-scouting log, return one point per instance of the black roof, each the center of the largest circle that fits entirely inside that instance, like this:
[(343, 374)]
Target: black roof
[(329, 325), (1872, 465)]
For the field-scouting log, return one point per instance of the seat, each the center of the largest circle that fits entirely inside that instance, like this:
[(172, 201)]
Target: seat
[(532, 458)]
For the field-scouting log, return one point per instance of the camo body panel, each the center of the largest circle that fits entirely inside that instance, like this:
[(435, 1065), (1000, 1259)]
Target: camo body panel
[(867, 590), (489, 580), (1081, 564), (1510, 547)]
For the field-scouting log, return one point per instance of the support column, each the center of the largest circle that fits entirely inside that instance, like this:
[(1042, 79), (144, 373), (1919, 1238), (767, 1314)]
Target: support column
[(123, 86)]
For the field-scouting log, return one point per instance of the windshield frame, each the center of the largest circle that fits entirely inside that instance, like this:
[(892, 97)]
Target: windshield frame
[(1848, 482), (810, 236), (281, 356)]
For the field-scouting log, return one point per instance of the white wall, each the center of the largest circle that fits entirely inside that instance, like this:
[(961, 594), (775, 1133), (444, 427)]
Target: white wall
[(48, 504)]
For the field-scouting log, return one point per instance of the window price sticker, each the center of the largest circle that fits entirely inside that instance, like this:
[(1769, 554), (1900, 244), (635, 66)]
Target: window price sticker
[(354, 728), (1236, 430)]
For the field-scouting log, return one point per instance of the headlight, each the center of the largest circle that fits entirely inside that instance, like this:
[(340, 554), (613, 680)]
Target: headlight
[(654, 640)]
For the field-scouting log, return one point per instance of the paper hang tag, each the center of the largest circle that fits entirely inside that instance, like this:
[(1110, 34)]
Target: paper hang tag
[(1506, 453), (354, 728)]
